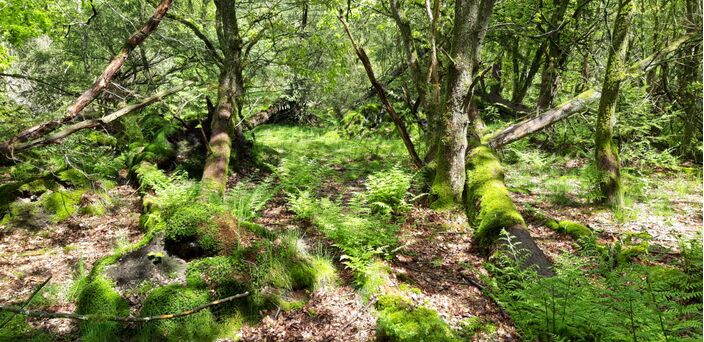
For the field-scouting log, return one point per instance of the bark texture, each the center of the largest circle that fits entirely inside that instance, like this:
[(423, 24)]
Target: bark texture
[(606, 151), (217, 162), (470, 25)]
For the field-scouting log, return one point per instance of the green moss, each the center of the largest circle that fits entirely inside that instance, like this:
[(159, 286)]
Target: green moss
[(17, 329), (205, 223), (574, 229), (25, 214), (221, 275), (489, 207), (445, 198), (62, 204), (76, 178), (399, 320), (173, 299), (97, 297), (473, 325), (373, 278)]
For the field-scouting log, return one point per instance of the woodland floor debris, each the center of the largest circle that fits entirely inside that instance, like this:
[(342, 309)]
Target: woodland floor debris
[(28, 257)]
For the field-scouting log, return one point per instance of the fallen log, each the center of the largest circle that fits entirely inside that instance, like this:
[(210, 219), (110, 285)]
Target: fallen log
[(581, 102), (99, 85), (90, 123), (546, 119), (490, 209)]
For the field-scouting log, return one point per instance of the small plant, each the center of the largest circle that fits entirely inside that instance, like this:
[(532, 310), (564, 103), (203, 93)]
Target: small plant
[(387, 190)]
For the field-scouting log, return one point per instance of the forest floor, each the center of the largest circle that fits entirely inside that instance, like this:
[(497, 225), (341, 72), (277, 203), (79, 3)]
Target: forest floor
[(435, 255)]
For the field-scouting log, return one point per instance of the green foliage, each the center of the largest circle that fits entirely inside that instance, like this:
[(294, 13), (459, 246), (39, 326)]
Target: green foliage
[(17, 329), (172, 299), (386, 191), (624, 303), (62, 203), (244, 200), (97, 297), (150, 177), (400, 320), (356, 235)]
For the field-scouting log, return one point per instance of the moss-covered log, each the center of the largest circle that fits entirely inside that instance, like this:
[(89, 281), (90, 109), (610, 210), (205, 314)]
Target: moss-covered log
[(490, 208)]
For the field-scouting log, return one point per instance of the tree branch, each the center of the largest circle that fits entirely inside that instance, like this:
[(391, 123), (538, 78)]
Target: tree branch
[(382, 96), (69, 315), (90, 123), (208, 44), (103, 80)]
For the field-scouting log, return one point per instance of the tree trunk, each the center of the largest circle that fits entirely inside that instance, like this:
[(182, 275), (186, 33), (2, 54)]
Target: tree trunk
[(470, 25), (214, 178), (689, 90), (103, 81), (606, 151), (554, 58), (490, 209)]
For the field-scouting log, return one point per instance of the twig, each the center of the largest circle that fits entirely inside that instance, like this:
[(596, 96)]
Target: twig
[(98, 317), (366, 307), (9, 318)]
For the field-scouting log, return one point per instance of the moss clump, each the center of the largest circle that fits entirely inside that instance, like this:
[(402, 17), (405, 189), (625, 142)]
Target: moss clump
[(373, 278), (473, 325), (97, 297), (324, 272), (62, 204), (400, 320), (206, 224), (221, 275), (17, 329), (574, 229), (489, 207), (25, 214), (173, 299)]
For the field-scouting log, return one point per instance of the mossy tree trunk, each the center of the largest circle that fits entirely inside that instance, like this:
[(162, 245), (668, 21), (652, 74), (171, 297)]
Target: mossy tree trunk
[(606, 151), (555, 57), (470, 25), (689, 91), (229, 88)]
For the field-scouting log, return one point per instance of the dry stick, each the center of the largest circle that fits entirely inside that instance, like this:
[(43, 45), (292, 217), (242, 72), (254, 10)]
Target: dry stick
[(356, 317), (382, 96), (103, 80), (69, 315), (577, 104), (9, 318), (90, 123)]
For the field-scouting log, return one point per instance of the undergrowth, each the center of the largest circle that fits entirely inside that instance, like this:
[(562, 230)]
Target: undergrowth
[(589, 301)]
